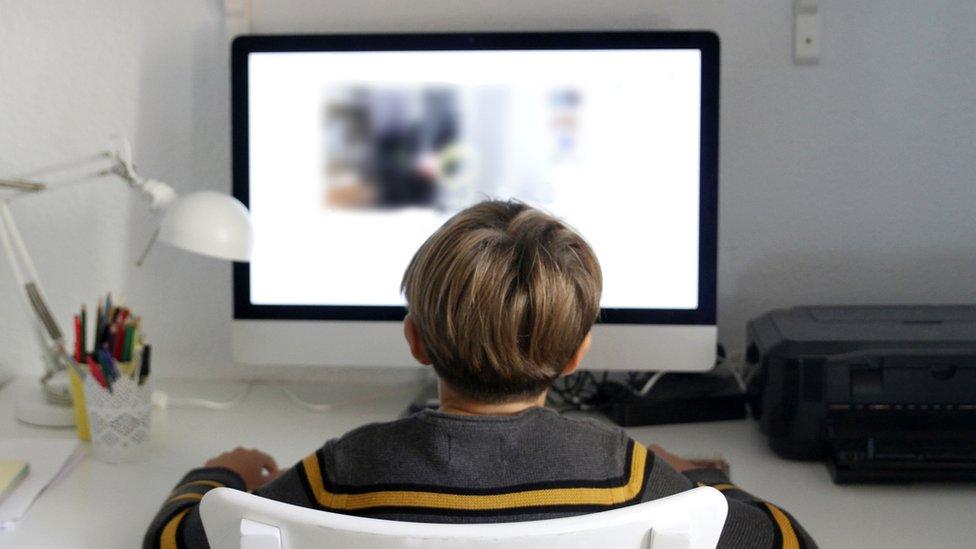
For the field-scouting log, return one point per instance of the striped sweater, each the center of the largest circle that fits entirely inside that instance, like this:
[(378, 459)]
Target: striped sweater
[(438, 467)]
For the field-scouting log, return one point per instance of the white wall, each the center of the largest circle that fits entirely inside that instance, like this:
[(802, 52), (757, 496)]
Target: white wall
[(851, 181), (71, 74)]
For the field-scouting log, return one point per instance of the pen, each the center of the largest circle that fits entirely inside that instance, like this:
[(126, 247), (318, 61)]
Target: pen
[(127, 343), (112, 365), (96, 372), (118, 340), (144, 367), (84, 331), (108, 366), (99, 314), (135, 366), (78, 344), (106, 335)]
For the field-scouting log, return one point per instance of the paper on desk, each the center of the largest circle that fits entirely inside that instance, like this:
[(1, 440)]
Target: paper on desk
[(49, 459)]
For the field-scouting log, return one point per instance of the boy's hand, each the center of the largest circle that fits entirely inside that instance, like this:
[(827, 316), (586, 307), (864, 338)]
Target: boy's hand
[(681, 464), (251, 464)]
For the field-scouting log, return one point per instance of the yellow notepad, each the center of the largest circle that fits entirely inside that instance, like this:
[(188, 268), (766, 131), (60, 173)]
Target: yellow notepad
[(12, 471)]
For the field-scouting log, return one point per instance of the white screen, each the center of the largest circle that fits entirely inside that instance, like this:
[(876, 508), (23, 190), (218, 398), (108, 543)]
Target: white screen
[(357, 157)]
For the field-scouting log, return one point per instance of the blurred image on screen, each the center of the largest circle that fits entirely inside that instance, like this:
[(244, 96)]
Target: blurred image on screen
[(356, 157)]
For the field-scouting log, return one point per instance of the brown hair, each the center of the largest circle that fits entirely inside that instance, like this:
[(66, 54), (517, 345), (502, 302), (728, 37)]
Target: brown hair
[(503, 295)]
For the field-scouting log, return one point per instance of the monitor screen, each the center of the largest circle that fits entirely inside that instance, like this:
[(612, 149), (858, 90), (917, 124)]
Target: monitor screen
[(351, 153)]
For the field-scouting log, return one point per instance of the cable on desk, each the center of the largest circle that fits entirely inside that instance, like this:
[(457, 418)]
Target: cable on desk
[(584, 391), (651, 383), (329, 406), (163, 400), (312, 406), (735, 368)]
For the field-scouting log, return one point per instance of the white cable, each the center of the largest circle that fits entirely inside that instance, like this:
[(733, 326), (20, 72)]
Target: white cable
[(315, 407), (737, 375), (329, 406), (164, 400), (651, 383)]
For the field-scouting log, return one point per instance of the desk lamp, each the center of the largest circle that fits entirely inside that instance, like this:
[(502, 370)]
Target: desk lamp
[(203, 222)]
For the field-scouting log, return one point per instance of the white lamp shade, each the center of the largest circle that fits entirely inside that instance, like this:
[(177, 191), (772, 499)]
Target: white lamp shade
[(208, 223)]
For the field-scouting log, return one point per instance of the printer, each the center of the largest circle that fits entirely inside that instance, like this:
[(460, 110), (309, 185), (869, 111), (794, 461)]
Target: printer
[(881, 393)]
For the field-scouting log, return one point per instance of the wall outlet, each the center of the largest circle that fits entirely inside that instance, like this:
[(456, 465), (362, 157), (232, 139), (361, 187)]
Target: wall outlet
[(807, 32)]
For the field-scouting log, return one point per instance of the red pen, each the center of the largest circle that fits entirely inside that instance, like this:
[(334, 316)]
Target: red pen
[(96, 371), (119, 333), (77, 338)]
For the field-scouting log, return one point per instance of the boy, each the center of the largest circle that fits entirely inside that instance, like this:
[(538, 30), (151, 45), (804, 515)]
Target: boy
[(501, 300)]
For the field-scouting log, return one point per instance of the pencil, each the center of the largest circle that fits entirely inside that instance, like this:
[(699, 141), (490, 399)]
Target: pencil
[(144, 367), (84, 331), (118, 340), (96, 371), (127, 342), (108, 367), (99, 313), (77, 356)]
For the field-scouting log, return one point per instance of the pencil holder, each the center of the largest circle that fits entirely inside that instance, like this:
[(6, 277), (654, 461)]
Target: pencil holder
[(119, 421)]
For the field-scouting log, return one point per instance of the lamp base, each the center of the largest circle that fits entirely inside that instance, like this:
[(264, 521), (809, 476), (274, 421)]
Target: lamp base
[(32, 408)]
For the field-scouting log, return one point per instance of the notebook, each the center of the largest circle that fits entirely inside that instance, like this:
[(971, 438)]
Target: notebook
[(49, 460), (12, 471)]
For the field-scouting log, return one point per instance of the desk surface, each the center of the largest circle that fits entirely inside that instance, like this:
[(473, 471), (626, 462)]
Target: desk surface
[(101, 505)]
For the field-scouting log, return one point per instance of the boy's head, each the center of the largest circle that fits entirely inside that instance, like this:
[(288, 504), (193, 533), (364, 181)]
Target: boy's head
[(502, 297)]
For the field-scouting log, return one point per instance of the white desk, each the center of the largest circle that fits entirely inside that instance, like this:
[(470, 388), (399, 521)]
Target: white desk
[(100, 505)]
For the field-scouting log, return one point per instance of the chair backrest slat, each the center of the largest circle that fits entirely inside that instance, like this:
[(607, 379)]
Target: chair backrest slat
[(692, 519)]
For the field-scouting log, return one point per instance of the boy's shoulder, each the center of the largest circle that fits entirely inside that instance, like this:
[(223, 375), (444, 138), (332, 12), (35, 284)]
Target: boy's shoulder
[(373, 431), (432, 440), (449, 451), (546, 421)]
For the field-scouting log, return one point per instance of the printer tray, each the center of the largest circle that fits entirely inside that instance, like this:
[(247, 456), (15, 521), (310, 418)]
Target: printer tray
[(901, 446)]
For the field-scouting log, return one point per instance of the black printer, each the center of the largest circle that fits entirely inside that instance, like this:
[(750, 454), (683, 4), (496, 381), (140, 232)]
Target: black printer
[(882, 393)]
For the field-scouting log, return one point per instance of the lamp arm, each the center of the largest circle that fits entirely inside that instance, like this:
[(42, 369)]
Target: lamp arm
[(31, 182), (34, 297), (119, 153), (23, 185), (49, 332), (160, 194)]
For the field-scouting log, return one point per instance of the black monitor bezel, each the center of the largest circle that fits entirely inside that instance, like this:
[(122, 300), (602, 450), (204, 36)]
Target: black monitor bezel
[(705, 41)]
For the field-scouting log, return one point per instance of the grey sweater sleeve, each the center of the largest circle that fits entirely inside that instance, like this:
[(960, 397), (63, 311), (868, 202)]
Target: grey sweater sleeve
[(178, 524), (752, 522)]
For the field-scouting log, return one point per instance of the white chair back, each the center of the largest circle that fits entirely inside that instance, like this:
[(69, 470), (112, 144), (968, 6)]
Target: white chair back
[(238, 520)]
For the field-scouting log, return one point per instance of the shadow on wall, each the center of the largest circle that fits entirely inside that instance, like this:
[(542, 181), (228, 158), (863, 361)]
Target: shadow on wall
[(844, 278), (183, 137)]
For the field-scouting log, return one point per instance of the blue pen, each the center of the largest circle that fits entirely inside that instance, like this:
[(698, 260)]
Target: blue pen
[(108, 366)]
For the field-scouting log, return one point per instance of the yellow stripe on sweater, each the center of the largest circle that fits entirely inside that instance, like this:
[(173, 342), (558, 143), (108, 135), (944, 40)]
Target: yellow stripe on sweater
[(167, 539), (181, 487), (211, 483), (790, 540), (179, 497), (437, 500)]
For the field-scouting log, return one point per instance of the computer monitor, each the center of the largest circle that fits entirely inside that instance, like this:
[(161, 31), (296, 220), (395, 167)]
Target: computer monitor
[(350, 150)]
